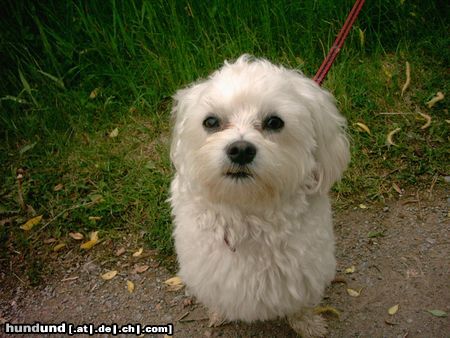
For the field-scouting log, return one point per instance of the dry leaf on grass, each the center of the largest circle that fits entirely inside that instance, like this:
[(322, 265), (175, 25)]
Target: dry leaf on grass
[(120, 251), (390, 135), (114, 133), (363, 127), (427, 118), (408, 78), (28, 225), (138, 253), (93, 239), (94, 93), (58, 247), (94, 218), (174, 284), (49, 240), (76, 236), (58, 187), (109, 275), (130, 286), (393, 309), (363, 206), (439, 97), (397, 188)]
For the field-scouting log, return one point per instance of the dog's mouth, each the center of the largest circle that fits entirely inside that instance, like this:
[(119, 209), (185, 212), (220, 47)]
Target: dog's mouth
[(239, 174)]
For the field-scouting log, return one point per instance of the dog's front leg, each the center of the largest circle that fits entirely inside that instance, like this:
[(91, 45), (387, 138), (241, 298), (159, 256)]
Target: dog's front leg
[(308, 324)]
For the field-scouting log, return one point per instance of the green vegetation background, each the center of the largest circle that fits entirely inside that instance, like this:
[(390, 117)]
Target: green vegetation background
[(75, 73)]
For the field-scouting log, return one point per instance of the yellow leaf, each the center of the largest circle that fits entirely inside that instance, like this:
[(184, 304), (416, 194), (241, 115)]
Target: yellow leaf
[(362, 38), (130, 286), (94, 218), (351, 269), (390, 135), (93, 240), (58, 187), (354, 293), (174, 283), (114, 133), (427, 118), (393, 309), (138, 253), (363, 206), (58, 247), (76, 235), (439, 97), (363, 127), (109, 275), (31, 223), (94, 93), (326, 310)]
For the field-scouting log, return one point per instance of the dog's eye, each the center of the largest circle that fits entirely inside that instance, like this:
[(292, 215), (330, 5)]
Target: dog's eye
[(273, 123), (211, 123)]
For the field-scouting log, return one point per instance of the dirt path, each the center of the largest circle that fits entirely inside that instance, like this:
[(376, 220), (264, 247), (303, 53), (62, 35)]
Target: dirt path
[(400, 251)]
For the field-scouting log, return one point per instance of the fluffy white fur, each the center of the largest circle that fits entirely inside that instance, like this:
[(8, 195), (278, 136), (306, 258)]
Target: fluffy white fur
[(258, 247)]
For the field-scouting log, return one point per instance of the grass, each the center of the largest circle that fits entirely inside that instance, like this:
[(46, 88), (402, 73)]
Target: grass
[(72, 73)]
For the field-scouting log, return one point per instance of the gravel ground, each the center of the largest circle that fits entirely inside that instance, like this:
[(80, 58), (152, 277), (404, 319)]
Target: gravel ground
[(400, 253)]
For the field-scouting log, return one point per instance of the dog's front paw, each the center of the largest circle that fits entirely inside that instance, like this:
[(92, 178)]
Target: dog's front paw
[(215, 319), (308, 325)]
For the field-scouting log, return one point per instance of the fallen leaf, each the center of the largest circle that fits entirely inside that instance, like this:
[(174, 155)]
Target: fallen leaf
[(363, 127), (114, 133), (58, 187), (326, 310), (375, 234), (390, 135), (174, 283), (94, 218), (438, 313), (76, 235), (427, 118), (138, 253), (31, 223), (58, 247), (397, 188), (93, 239), (354, 293), (109, 275), (408, 78), (393, 309), (439, 97), (140, 268), (94, 93), (120, 251), (130, 286), (49, 240), (350, 270), (363, 206)]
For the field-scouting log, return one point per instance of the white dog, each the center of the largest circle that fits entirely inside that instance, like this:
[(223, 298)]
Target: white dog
[(256, 148)]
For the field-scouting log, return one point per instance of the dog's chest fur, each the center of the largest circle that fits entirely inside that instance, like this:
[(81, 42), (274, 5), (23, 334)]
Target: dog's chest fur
[(254, 266)]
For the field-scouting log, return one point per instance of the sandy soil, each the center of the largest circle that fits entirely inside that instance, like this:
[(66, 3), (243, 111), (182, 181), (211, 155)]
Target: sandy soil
[(400, 252)]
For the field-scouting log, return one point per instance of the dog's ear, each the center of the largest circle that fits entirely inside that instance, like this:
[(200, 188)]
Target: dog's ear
[(332, 152), (184, 104)]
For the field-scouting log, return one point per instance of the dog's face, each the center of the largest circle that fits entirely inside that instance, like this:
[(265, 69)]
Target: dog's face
[(253, 132)]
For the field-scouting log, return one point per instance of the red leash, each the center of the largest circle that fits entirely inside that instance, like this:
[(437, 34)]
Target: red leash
[(338, 43)]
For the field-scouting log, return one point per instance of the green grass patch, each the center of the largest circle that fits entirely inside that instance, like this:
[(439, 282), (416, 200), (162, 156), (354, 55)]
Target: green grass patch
[(74, 72)]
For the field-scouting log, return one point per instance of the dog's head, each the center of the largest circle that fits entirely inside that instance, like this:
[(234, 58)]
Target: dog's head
[(254, 131)]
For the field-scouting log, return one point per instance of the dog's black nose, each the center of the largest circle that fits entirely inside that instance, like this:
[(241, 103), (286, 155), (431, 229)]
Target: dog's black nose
[(241, 152)]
